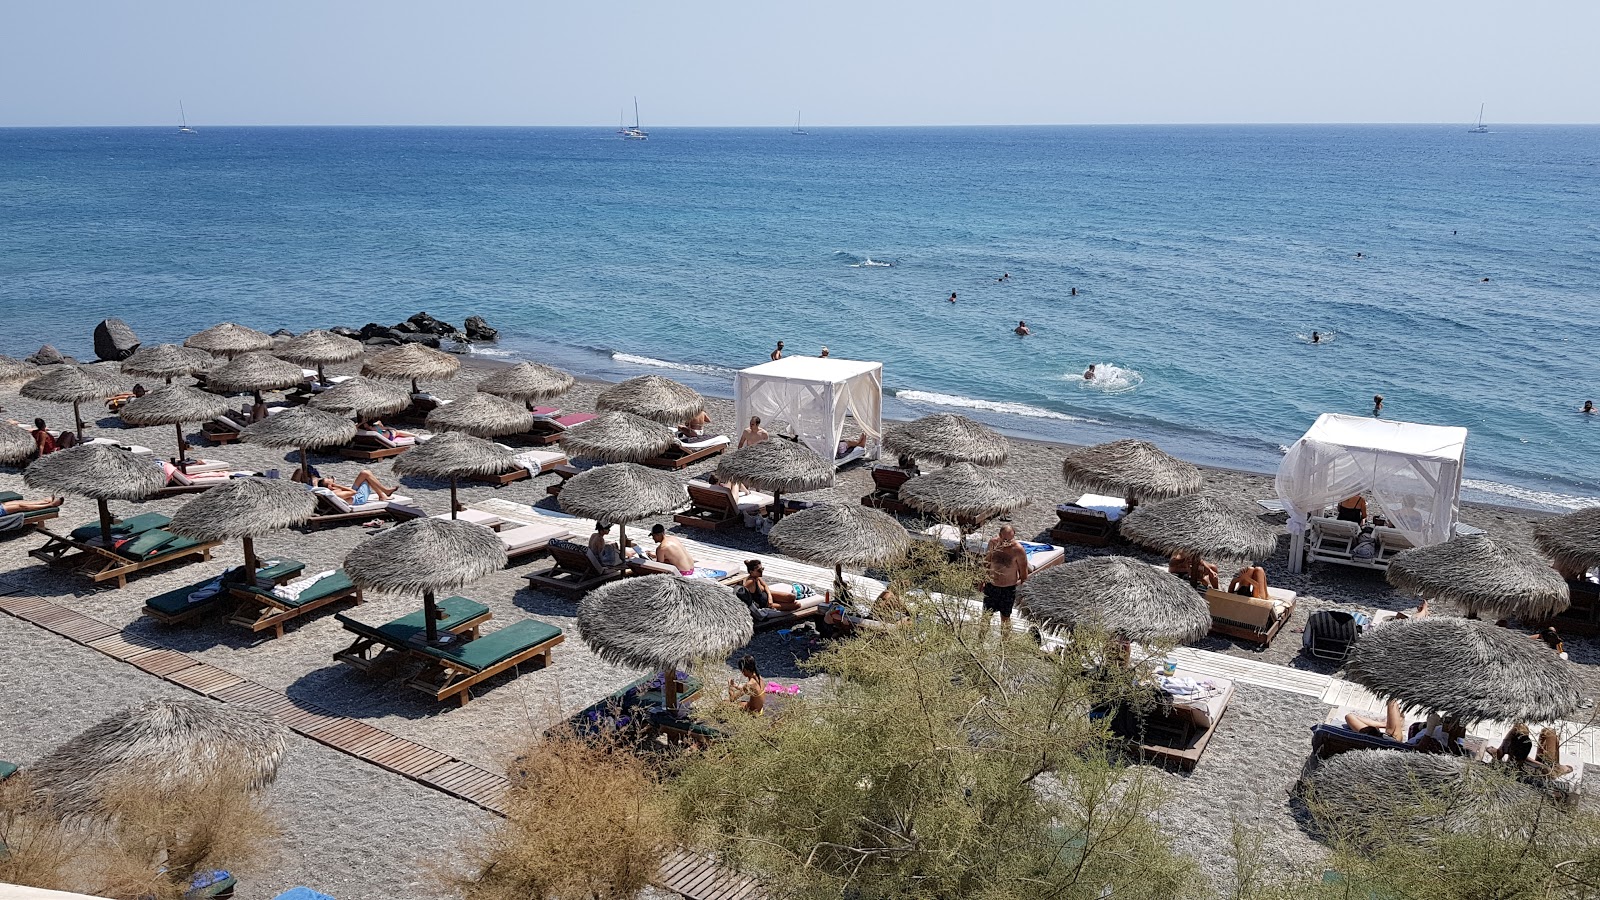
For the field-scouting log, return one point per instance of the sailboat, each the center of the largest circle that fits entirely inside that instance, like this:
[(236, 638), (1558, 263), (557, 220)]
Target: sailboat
[(1479, 128), (635, 133), (797, 128), (184, 128)]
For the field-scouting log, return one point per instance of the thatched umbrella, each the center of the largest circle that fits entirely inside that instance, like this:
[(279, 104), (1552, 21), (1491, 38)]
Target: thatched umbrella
[(16, 445), (301, 428), (528, 382), (622, 493), (840, 534), (962, 492), (1572, 540), (175, 405), (1462, 668), (318, 348), (100, 472), (1135, 470), (652, 397), (255, 372), (481, 415), (423, 556), (362, 398), (229, 340), (163, 743), (243, 508), (778, 466), (411, 362), (1480, 572), (1118, 595), (455, 455), (166, 361), (947, 438), (1203, 525), (1366, 794), (663, 621), (70, 384), (15, 371), (618, 437)]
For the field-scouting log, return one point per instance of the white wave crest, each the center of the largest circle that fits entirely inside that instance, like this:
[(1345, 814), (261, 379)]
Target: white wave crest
[(488, 351), (999, 406), (663, 364), (1109, 378), (1525, 496), (1323, 337), (870, 263)]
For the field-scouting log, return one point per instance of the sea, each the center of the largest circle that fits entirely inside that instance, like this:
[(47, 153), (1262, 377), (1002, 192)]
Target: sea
[(1455, 274)]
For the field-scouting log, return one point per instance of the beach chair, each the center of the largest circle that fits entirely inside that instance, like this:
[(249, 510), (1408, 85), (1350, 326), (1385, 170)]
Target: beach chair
[(713, 507), (370, 445), (548, 430), (1090, 521), (309, 386), (202, 475), (422, 403), (136, 544), (563, 472), (1330, 634), (263, 606), (531, 462), (1249, 618), (1391, 542), (1582, 616), (181, 605), (886, 482), (453, 670), (685, 453), (462, 617), (335, 510), (1332, 540), (1177, 736), (224, 429), (25, 521), (523, 539), (573, 573)]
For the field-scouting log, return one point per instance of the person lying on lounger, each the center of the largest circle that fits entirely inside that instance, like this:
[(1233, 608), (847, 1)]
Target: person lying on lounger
[(364, 489), (845, 447), (12, 507), (755, 589), (1250, 582), (117, 401), (378, 426), (1438, 735)]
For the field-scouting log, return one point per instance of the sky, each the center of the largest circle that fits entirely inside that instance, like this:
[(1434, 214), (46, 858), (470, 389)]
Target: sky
[(757, 62)]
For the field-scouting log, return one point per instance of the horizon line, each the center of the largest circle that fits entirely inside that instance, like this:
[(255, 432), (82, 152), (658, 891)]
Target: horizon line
[(772, 126)]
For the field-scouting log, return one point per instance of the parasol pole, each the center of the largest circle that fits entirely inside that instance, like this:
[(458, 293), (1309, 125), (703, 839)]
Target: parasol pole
[(305, 466), (105, 521), (248, 576), (77, 414), (454, 506), (430, 614), (183, 450)]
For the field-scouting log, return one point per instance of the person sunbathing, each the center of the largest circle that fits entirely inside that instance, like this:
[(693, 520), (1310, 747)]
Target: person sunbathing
[(378, 426), (364, 489), (1552, 639), (695, 426), (115, 402), (751, 692), (12, 507), (670, 550), (1250, 582), (1194, 568), (1437, 735), (757, 590), (845, 447)]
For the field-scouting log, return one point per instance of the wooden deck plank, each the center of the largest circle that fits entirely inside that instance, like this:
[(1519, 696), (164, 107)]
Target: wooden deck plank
[(117, 646), (162, 663), (204, 678)]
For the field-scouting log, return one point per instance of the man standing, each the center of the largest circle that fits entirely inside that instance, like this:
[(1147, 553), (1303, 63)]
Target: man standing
[(1007, 565)]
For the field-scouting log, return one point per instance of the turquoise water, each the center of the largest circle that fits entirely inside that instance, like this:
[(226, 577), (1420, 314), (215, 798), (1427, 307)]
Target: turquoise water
[(1203, 258)]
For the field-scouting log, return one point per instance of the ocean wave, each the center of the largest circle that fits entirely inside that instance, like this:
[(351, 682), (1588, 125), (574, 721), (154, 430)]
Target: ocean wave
[(487, 351), (999, 406), (1109, 378), (1530, 496), (664, 364), (861, 261)]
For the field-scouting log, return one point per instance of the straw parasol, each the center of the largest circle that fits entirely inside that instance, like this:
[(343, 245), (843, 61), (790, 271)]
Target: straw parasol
[(166, 361), (947, 438), (776, 465), (163, 743), (617, 437), (411, 362), (243, 508), (16, 445), (229, 340), (1483, 573), (1432, 790), (175, 405), (1201, 525), (100, 472), (840, 534), (1572, 540), (1136, 470), (963, 492), (423, 556), (69, 384), (663, 621), (363, 398), (300, 428), (481, 415), (1462, 668), (318, 348), (15, 371), (653, 397), (528, 382), (1119, 595), (456, 455), (622, 493), (255, 372)]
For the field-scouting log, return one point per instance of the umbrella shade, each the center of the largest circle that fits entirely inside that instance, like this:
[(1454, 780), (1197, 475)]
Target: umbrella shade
[(411, 362), (425, 555), (1463, 668), (456, 455), (167, 361), (229, 340), (947, 438), (243, 507), (1483, 573), (652, 397), (1117, 595), (173, 404), (481, 415), (841, 534), (1409, 792), (16, 445), (1572, 540), (96, 471), (15, 371), (1201, 524), (69, 384), (618, 437), (254, 372), (162, 744), (317, 347), (301, 427), (777, 465), (622, 493), (961, 491), (1131, 469), (663, 621), (527, 381), (363, 397)]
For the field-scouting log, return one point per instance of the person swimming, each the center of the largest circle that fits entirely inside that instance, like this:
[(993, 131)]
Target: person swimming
[(1022, 329), (1377, 404), (1074, 292), (1088, 374), (952, 296), (1316, 337), (1588, 407)]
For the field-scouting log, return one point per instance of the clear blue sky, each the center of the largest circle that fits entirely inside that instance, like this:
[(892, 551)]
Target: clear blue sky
[(755, 62)]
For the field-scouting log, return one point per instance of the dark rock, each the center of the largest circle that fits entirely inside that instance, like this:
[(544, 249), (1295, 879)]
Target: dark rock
[(373, 329), (345, 331), (479, 330), (431, 340), (283, 333), (406, 327), (380, 342), (422, 323), (114, 341), (47, 356)]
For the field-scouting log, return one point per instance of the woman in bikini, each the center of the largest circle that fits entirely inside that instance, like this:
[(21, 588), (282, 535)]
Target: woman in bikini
[(1250, 582), (784, 597), (365, 488), (1353, 509), (750, 692), (12, 507)]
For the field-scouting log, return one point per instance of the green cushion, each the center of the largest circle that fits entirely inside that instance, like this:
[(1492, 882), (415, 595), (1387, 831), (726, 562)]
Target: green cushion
[(178, 543), (176, 600), (7, 769), (146, 544), (7, 496), (47, 511), (336, 583), (136, 525), (285, 568), (498, 646), (403, 629)]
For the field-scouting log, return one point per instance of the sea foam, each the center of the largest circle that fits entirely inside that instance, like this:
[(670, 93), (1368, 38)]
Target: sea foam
[(999, 406)]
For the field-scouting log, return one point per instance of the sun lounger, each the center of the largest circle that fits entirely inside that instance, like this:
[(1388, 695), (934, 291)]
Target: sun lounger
[(886, 482), (1180, 737), (688, 452), (26, 521), (1040, 556), (371, 445), (713, 507), (545, 412), (335, 510), (573, 573), (131, 448), (451, 671), (547, 431), (529, 539), (270, 606), (851, 456), (1334, 736), (462, 617), (181, 605), (531, 463), (130, 551), (202, 475), (1248, 618), (224, 429), (563, 472), (630, 708), (1091, 520)]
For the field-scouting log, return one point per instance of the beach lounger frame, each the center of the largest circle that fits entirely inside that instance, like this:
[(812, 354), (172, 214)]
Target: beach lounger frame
[(571, 573), (712, 508), (217, 433), (371, 644), (1192, 741), (259, 609), (1086, 527), (682, 454), (563, 472), (1253, 631), (104, 564), (365, 447), (328, 514), (444, 678), (518, 473), (885, 494)]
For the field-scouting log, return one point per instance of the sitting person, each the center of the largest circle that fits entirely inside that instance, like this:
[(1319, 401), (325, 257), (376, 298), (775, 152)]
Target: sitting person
[(364, 489), (1550, 754), (887, 612), (66, 439), (1197, 570), (845, 447), (1408, 517), (755, 434), (43, 440), (1250, 582), (1517, 748), (602, 552), (116, 402), (695, 426), (258, 412), (751, 692), (12, 507), (757, 591), (670, 550), (907, 465), (1352, 509)]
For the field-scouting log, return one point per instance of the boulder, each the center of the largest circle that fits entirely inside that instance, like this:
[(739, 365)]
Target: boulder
[(47, 356), (479, 330), (114, 341), (373, 329), (283, 333), (431, 340), (345, 331), (380, 342)]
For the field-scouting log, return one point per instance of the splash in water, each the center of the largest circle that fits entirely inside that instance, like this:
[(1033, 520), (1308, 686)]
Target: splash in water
[(1109, 378)]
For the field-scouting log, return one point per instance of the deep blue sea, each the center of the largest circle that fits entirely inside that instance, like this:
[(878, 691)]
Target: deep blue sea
[(1203, 258)]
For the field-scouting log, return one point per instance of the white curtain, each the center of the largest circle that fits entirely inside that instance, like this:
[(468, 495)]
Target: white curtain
[(1418, 495), (815, 410)]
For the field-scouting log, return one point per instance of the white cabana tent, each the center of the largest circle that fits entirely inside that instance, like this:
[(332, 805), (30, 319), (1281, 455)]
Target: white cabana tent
[(1413, 471), (814, 396)]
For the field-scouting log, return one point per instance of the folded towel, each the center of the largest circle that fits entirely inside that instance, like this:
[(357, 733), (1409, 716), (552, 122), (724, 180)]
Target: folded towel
[(294, 589)]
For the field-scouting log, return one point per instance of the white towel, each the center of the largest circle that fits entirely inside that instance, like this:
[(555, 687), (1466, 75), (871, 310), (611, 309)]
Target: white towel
[(294, 589)]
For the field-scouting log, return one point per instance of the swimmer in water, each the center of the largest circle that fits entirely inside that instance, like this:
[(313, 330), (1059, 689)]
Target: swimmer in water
[(1588, 407), (1316, 337), (1074, 292), (1088, 374), (1022, 329), (952, 296), (1485, 281), (1358, 254), (1377, 404)]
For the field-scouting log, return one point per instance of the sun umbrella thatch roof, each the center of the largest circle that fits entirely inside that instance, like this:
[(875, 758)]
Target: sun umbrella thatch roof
[(243, 507), (1572, 540), (1481, 572), (621, 493), (947, 438), (15, 371), (300, 427), (841, 534), (1202, 524), (527, 381), (363, 397), (456, 454), (1367, 794), (618, 437), (425, 555), (662, 621), (653, 397), (962, 491), (229, 339), (777, 465), (96, 471), (166, 361), (164, 742), (16, 445), (69, 384), (1463, 668), (411, 362), (317, 347), (254, 372), (481, 415), (1117, 595), (172, 404), (1136, 470)]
